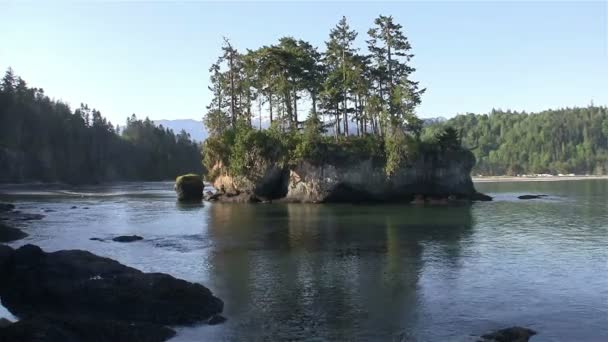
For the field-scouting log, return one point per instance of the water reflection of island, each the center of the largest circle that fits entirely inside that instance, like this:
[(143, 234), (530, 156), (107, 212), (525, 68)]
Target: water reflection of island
[(332, 272)]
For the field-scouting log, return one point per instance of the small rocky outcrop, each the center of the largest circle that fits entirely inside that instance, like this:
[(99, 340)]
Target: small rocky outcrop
[(50, 328), (77, 283), (8, 234), (513, 334), (527, 197), (127, 238), (9, 215), (189, 187)]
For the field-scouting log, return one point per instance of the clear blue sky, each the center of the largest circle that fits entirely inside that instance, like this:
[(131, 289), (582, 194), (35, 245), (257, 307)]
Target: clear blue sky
[(152, 58)]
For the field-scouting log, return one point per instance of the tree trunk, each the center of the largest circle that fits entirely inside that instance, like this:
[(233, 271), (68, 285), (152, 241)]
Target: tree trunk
[(287, 102), (295, 107), (270, 106), (232, 95), (313, 96), (337, 129)]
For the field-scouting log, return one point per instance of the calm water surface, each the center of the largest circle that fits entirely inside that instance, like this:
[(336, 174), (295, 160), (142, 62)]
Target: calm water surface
[(351, 272)]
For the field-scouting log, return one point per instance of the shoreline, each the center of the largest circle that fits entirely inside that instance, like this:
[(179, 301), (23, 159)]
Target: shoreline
[(501, 179)]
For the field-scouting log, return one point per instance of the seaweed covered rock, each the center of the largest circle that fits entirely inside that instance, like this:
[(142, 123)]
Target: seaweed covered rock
[(79, 283), (189, 187)]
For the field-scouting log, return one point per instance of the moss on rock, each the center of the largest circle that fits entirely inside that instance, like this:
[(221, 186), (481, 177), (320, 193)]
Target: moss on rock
[(189, 187)]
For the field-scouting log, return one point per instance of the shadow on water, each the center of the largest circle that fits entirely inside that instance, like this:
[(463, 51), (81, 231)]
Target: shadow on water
[(344, 272)]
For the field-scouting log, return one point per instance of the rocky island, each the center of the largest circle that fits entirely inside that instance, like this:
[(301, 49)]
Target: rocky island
[(361, 140), (260, 166)]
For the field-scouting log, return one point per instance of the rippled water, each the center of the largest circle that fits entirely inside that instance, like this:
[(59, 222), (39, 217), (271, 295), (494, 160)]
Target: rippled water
[(346, 272)]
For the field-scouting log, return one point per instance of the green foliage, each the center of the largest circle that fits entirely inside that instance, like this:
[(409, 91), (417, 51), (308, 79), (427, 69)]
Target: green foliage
[(372, 91), (188, 178), (400, 148), (250, 146), (569, 140), (44, 140), (448, 138)]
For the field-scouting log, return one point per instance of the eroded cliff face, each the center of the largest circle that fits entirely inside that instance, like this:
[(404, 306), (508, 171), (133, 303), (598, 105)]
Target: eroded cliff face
[(437, 176), (429, 176)]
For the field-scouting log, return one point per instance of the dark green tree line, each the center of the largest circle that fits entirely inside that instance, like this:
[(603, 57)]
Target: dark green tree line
[(569, 140), (45, 140)]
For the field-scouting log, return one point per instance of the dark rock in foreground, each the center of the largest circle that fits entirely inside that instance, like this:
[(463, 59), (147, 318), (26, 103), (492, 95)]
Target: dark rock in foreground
[(77, 283), (8, 234), (68, 329), (189, 187), (4, 322), (127, 238), (525, 197), (513, 334)]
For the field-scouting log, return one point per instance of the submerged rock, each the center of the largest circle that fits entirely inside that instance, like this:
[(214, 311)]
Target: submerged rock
[(513, 334), (67, 329), (189, 187), (8, 234), (525, 197), (127, 238), (20, 216), (478, 196), (77, 283)]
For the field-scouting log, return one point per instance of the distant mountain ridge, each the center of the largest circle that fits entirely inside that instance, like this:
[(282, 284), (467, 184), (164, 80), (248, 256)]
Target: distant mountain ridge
[(195, 128)]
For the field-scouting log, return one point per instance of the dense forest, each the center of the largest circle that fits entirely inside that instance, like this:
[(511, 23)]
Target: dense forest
[(45, 140), (317, 101), (570, 140)]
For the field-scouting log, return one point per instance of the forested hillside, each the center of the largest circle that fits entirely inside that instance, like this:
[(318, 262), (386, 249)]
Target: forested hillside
[(570, 140), (45, 140)]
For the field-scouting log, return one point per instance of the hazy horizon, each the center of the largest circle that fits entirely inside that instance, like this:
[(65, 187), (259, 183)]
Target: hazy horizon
[(152, 59)]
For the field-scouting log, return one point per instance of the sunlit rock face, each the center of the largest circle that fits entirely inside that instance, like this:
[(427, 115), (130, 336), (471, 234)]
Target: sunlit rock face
[(433, 175)]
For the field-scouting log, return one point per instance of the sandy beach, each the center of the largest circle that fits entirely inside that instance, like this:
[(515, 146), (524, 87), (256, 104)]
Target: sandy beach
[(494, 179)]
